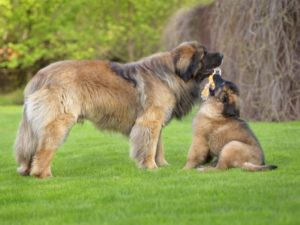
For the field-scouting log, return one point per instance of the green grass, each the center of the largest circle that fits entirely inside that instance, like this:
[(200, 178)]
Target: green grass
[(13, 97), (95, 182)]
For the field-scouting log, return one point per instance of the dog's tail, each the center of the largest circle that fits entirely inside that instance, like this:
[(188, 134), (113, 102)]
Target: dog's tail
[(252, 167), (25, 145)]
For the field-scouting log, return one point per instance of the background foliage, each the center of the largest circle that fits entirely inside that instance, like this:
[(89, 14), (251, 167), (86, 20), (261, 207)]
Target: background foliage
[(34, 33), (260, 40)]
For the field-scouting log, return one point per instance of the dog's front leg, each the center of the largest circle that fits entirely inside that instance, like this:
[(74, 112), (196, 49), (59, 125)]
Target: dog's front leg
[(144, 138), (198, 153)]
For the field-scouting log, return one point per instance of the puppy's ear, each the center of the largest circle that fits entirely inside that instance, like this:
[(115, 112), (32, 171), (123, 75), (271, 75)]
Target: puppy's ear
[(231, 110), (231, 106), (229, 96), (186, 62)]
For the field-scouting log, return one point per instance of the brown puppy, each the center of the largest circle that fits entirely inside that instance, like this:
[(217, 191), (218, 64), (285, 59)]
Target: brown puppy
[(137, 99), (218, 132)]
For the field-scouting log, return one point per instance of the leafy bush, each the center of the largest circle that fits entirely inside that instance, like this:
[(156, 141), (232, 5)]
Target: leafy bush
[(35, 33)]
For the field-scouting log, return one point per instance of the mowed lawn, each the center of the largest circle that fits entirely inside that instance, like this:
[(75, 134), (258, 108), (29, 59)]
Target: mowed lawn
[(95, 182)]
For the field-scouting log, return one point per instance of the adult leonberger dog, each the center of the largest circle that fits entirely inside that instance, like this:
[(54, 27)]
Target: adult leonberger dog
[(137, 99), (220, 133)]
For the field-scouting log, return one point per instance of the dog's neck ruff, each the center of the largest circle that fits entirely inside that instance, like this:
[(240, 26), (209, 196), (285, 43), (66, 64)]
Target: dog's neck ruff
[(161, 66)]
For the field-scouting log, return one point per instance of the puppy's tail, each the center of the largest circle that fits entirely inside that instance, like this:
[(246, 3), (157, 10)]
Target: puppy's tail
[(252, 167), (25, 145)]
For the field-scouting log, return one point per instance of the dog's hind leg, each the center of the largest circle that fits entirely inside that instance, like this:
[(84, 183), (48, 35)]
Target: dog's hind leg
[(52, 136), (236, 154), (25, 146)]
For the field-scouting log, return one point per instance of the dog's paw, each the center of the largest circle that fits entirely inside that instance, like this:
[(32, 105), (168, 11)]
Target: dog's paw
[(23, 170), (201, 169), (162, 163)]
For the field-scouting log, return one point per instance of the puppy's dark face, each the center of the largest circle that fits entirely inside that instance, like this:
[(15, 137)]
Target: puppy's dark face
[(226, 93), (193, 61)]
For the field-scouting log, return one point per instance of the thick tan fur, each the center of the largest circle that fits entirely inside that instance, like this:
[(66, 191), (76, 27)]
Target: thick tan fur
[(226, 137), (137, 99)]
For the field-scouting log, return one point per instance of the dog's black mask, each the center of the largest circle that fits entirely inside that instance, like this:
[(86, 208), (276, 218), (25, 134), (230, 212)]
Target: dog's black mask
[(222, 91), (210, 61)]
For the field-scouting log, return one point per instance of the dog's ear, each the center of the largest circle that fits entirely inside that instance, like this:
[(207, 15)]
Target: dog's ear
[(231, 105), (231, 110), (229, 96), (186, 61)]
